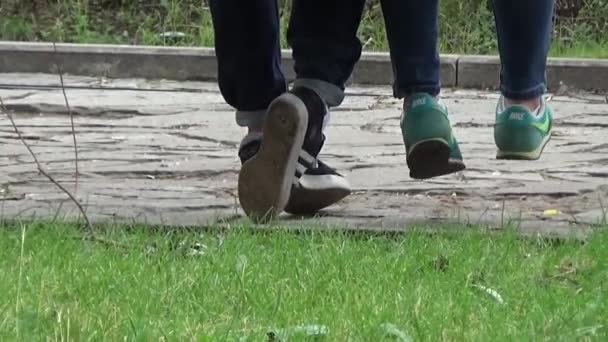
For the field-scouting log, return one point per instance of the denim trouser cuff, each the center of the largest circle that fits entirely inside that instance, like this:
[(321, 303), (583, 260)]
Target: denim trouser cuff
[(252, 119), (331, 94), (527, 94), (402, 92)]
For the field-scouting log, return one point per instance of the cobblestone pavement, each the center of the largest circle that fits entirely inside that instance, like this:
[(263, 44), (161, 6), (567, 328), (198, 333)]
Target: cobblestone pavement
[(165, 152)]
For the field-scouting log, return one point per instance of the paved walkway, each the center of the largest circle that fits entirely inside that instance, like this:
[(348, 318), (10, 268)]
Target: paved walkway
[(170, 157)]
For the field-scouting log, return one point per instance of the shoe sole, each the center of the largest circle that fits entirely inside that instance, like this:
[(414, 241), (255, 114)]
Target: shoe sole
[(532, 155), (431, 158), (265, 180)]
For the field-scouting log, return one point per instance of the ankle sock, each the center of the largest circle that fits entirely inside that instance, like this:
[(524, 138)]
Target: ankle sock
[(506, 103)]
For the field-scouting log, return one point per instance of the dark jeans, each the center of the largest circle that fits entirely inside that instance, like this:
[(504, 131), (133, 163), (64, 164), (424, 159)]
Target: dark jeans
[(322, 34), (524, 30)]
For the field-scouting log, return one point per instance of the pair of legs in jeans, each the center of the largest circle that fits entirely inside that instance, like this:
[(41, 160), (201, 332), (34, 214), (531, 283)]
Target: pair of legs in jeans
[(281, 169)]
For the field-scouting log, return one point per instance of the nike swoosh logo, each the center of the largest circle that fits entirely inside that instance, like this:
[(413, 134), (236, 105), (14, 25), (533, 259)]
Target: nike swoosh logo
[(543, 126)]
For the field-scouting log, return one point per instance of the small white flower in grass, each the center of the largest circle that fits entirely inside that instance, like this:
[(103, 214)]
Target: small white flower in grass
[(312, 330), (391, 330), (172, 34), (197, 249), (493, 293), (192, 249)]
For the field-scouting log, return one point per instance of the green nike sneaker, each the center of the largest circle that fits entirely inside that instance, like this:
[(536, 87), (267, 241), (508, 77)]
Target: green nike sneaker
[(430, 146), (519, 133)]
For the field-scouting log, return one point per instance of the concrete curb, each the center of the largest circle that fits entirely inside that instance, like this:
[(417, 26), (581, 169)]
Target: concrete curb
[(584, 74), (116, 61)]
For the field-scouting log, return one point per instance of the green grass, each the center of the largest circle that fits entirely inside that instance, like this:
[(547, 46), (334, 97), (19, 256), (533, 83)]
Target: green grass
[(147, 285), (142, 22), (582, 50)]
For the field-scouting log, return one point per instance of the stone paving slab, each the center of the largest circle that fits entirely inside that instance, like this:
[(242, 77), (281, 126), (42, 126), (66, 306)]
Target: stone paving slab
[(165, 152)]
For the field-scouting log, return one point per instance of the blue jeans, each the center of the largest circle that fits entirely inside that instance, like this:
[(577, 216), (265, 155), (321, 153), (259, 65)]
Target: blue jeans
[(524, 30), (322, 34)]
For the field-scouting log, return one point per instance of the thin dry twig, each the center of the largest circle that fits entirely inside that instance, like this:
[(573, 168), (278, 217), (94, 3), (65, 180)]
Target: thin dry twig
[(70, 113), (103, 241), (39, 166)]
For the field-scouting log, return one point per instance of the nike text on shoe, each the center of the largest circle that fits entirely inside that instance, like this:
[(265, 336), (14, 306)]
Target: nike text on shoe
[(431, 148), (521, 134)]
